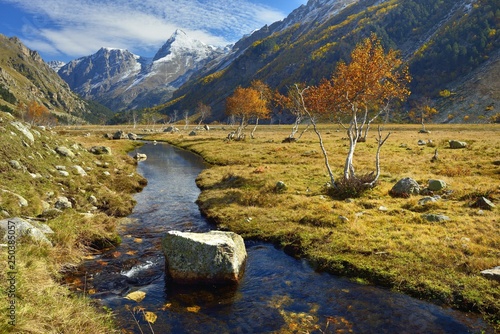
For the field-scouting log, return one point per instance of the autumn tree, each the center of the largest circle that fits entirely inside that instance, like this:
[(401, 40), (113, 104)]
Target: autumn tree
[(423, 111), (265, 95), (244, 104), (292, 102), (37, 113), (371, 80)]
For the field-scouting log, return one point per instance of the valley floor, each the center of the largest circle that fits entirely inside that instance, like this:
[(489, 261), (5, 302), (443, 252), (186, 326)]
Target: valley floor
[(374, 239)]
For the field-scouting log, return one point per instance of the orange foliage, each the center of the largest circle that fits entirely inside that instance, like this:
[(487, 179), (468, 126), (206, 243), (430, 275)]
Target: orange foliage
[(37, 113), (246, 103), (372, 78)]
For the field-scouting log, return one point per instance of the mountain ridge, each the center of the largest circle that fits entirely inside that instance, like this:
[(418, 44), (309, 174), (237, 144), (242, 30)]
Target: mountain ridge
[(442, 41), (25, 78), (122, 80)]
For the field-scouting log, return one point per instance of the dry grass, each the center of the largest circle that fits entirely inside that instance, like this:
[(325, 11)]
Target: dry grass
[(43, 305), (395, 247)]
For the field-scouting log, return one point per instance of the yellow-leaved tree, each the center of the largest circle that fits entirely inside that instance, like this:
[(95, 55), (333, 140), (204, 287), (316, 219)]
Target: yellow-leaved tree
[(371, 80), (245, 104)]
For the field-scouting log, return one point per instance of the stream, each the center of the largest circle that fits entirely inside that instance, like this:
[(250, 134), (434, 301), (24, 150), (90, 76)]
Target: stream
[(277, 292)]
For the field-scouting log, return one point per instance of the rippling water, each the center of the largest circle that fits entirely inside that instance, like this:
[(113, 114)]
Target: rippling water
[(277, 292)]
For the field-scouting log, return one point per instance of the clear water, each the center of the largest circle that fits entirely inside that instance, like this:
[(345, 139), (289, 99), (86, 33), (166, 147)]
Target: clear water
[(277, 294)]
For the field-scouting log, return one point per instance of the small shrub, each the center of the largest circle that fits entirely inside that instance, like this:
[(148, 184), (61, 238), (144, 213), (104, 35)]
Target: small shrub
[(351, 188)]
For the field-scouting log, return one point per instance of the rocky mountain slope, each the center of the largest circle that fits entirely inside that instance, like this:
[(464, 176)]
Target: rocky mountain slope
[(26, 78), (121, 80), (446, 43)]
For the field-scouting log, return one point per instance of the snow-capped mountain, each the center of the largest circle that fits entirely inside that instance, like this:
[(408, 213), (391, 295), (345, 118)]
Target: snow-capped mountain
[(121, 80), (56, 65)]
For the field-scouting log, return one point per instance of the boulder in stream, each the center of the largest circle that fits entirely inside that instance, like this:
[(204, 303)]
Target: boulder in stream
[(214, 257)]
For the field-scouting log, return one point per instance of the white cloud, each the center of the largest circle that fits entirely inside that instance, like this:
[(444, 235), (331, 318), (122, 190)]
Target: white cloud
[(80, 27)]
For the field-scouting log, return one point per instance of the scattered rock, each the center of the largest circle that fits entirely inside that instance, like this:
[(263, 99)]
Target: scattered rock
[(427, 200), (435, 218), (93, 200), (79, 170), (65, 152), (343, 219), (24, 130), (383, 209), (15, 164), (206, 127), (171, 129), (21, 200), (215, 257), (63, 203), (193, 133), (436, 185), (455, 144), (422, 142), (120, 135), (132, 136), (280, 186), (140, 156), (59, 167), (24, 228), (493, 274), (64, 173), (405, 188), (484, 203), (100, 150)]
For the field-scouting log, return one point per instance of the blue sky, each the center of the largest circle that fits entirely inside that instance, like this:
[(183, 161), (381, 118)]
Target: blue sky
[(69, 29)]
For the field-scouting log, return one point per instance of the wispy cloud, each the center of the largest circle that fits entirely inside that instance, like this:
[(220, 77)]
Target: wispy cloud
[(80, 27)]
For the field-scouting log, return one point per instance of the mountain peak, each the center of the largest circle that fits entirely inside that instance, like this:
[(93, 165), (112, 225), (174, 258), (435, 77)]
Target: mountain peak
[(181, 43)]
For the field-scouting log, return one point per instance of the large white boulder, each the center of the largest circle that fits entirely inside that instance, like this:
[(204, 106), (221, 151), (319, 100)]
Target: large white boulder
[(214, 257)]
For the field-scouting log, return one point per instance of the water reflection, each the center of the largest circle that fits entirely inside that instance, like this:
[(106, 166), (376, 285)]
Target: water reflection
[(278, 293)]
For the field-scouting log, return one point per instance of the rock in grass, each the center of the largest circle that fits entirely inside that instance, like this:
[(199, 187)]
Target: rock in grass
[(280, 186), (493, 274), (24, 130), (65, 152), (99, 150), (63, 203), (455, 144), (435, 218), (436, 185), (22, 227), (214, 257), (484, 203), (405, 188)]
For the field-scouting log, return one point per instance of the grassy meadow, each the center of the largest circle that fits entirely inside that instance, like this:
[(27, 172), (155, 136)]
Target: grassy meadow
[(44, 303), (384, 240)]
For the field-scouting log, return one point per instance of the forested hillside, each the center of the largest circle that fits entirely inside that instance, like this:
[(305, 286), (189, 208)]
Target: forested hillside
[(444, 42)]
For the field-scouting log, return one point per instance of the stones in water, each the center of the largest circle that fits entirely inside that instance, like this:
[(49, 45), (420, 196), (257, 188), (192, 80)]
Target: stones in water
[(140, 156), (214, 257)]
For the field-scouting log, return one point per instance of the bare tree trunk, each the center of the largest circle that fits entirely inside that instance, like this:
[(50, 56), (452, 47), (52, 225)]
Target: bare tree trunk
[(254, 128), (304, 131), (377, 159), (313, 122), (353, 134)]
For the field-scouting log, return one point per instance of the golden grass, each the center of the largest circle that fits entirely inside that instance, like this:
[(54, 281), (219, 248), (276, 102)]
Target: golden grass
[(396, 247), (43, 304)]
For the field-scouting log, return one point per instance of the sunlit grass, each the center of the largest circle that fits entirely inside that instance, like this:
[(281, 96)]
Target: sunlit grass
[(384, 240)]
